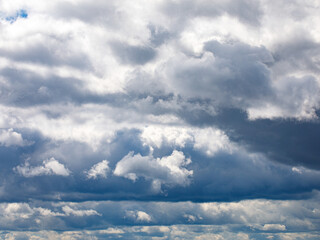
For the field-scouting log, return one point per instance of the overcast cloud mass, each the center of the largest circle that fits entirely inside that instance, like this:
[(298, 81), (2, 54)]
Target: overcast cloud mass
[(165, 119)]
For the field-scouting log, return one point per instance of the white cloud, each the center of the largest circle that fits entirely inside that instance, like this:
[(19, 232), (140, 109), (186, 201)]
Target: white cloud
[(272, 227), (11, 138), (207, 236), (139, 216), (168, 170), (80, 213), (99, 170), (49, 167), (208, 140), (190, 217), (186, 232), (155, 229), (143, 217), (111, 230), (159, 135), (13, 211), (47, 212)]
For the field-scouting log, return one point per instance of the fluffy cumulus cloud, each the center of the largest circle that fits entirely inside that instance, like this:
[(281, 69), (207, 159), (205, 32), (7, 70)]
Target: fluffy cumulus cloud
[(166, 170), (138, 216), (249, 219), (8, 138), (99, 169), (197, 109), (49, 167), (207, 140)]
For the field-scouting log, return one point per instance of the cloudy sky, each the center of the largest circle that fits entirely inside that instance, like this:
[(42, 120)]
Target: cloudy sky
[(163, 119)]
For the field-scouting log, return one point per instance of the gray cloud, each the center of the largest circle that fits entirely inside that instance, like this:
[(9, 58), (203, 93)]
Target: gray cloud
[(25, 88), (295, 54), (130, 54), (85, 11), (246, 11), (48, 51), (159, 35), (233, 74)]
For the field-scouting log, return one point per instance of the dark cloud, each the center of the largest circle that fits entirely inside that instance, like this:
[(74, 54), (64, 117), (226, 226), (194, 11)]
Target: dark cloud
[(247, 77), (159, 35), (228, 74), (131, 54), (287, 141), (48, 53), (222, 177), (25, 88), (295, 54)]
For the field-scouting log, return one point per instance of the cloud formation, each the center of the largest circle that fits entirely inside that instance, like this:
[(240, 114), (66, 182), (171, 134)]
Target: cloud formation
[(179, 113), (168, 170), (49, 167), (8, 138), (99, 169), (139, 216)]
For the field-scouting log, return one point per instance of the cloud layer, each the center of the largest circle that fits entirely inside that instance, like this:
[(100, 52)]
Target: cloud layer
[(203, 105)]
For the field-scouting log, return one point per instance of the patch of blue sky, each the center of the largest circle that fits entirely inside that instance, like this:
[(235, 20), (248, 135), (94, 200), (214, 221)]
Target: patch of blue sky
[(19, 14)]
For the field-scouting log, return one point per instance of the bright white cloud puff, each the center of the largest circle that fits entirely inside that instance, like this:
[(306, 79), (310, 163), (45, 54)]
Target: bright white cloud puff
[(98, 170), (166, 170), (8, 138), (48, 167), (139, 216)]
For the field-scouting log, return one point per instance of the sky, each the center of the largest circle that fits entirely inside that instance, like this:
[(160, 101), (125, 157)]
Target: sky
[(164, 119)]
